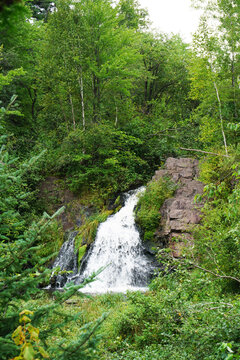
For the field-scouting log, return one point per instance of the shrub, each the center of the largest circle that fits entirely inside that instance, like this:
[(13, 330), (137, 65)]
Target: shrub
[(217, 239), (147, 212), (51, 240), (184, 317), (101, 157)]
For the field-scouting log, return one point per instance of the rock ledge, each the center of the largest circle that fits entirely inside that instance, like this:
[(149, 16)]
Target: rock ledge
[(180, 213)]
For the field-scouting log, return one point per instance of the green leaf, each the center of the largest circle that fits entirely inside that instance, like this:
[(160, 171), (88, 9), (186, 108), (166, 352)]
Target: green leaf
[(26, 312), (28, 352), (25, 319), (43, 352), (18, 335), (34, 332)]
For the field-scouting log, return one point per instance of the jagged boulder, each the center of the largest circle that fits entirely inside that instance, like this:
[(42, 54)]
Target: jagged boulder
[(180, 213)]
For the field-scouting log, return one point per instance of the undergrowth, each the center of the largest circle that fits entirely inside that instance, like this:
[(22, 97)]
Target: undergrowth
[(52, 239), (217, 238), (184, 315)]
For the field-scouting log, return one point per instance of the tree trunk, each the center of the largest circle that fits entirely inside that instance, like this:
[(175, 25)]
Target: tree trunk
[(33, 100), (221, 118), (73, 115), (96, 100), (80, 80), (116, 119), (64, 114), (233, 85)]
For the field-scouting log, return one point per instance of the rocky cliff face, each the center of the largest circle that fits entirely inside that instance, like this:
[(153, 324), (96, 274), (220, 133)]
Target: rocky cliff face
[(54, 194), (180, 213)]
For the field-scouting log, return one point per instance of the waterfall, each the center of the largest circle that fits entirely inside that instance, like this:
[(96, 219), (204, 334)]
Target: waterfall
[(66, 261), (118, 249)]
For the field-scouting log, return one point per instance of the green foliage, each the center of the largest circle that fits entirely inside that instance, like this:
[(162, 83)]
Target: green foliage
[(10, 108), (165, 63), (51, 240), (40, 10), (111, 103), (7, 79), (81, 252), (103, 129), (150, 202), (101, 157), (20, 268), (183, 317), (214, 170), (14, 194), (217, 241), (22, 271), (10, 13), (19, 46), (131, 15), (97, 65), (213, 69), (26, 337)]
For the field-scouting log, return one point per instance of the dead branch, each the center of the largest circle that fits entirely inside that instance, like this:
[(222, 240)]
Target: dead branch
[(217, 275), (205, 152)]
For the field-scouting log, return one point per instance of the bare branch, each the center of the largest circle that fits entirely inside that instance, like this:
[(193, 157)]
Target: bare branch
[(221, 118), (217, 275), (205, 152)]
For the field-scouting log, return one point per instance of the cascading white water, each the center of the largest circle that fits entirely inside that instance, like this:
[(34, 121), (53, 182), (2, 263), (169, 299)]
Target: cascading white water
[(118, 248), (66, 261)]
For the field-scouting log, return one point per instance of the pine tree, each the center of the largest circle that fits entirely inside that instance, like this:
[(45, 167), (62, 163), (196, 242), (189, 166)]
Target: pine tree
[(22, 271)]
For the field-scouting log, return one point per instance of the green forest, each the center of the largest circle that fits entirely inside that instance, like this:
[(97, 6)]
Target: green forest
[(93, 99)]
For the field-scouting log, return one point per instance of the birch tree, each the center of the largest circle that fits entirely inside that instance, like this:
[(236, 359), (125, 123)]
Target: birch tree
[(214, 68), (86, 50)]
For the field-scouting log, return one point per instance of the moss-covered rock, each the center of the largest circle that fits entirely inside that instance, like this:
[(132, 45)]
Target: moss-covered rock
[(147, 212)]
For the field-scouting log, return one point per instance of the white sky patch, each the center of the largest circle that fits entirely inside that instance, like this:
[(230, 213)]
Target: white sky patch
[(173, 16)]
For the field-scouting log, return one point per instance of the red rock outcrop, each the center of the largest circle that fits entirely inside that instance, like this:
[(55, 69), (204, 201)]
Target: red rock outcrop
[(180, 213)]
